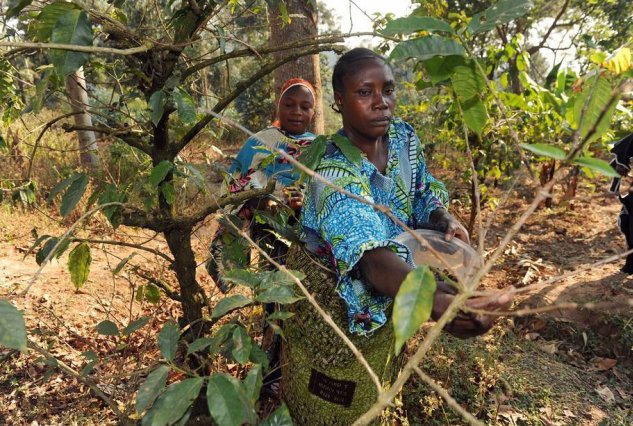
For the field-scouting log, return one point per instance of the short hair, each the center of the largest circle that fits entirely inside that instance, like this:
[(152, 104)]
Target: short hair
[(346, 65)]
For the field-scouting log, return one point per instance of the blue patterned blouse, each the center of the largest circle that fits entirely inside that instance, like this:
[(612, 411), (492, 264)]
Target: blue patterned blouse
[(342, 229)]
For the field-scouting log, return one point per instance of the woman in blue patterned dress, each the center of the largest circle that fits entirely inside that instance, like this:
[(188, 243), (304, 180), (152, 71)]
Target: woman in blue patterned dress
[(252, 168), (355, 237)]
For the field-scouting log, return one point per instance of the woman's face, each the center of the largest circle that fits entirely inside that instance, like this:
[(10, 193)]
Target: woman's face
[(367, 101), (296, 109)]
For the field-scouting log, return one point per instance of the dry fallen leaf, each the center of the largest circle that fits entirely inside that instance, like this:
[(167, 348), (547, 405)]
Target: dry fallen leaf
[(568, 413), (532, 336), (550, 347), (606, 394), (604, 364)]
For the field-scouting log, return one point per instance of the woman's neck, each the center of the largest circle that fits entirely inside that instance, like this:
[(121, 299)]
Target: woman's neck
[(376, 150)]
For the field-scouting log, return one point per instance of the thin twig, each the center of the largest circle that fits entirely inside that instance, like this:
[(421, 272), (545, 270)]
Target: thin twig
[(39, 137), (447, 397), (76, 48), (593, 306), (125, 244), (86, 381)]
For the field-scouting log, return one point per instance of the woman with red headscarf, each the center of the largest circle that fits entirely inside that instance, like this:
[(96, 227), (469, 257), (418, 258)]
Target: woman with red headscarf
[(255, 164)]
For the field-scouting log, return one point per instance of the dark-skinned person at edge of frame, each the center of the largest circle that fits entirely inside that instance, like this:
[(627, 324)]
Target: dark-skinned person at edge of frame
[(319, 383)]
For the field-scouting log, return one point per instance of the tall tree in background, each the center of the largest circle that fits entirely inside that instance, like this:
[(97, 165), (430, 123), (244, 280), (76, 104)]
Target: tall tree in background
[(78, 98), (303, 25)]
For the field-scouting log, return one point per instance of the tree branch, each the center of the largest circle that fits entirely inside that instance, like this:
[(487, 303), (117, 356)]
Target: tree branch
[(124, 244), (262, 51), (133, 216), (447, 397), (532, 50), (76, 48), (86, 381), (127, 135), (39, 137), (171, 293)]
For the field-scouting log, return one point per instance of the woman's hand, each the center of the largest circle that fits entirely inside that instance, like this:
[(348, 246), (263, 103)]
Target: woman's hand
[(293, 197), (468, 324), (449, 225)]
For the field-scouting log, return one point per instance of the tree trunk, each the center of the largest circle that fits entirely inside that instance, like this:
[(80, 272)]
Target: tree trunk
[(179, 242), (78, 97), (303, 25), (547, 173)]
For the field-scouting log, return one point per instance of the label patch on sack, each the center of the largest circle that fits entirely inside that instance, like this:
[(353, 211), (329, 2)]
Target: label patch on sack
[(339, 392)]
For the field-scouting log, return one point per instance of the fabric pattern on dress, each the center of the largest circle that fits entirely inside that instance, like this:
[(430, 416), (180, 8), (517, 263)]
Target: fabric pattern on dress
[(341, 228)]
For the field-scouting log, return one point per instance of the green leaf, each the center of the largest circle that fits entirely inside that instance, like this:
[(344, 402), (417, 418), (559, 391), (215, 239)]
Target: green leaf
[(199, 345), (253, 382), (107, 328), (49, 16), (221, 336), (172, 404), (311, 156), (475, 114), (501, 13), (596, 96), (279, 294), (427, 47), (280, 315), (62, 185), (413, 24), (168, 340), (135, 325), (12, 327), (79, 264), (186, 105), (159, 172), (122, 263), (258, 356), (152, 293), (597, 165), (92, 359), (73, 27), (467, 82), (545, 150), (37, 242), (413, 304), (228, 403), (194, 174), (349, 150), (74, 193), (42, 254), (279, 417), (227, 304), (440, 68), (41, 89), (14, 7), (242, 277), (168, 191), (242, 344), (157, 106), (112, 213), (151, 388)]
